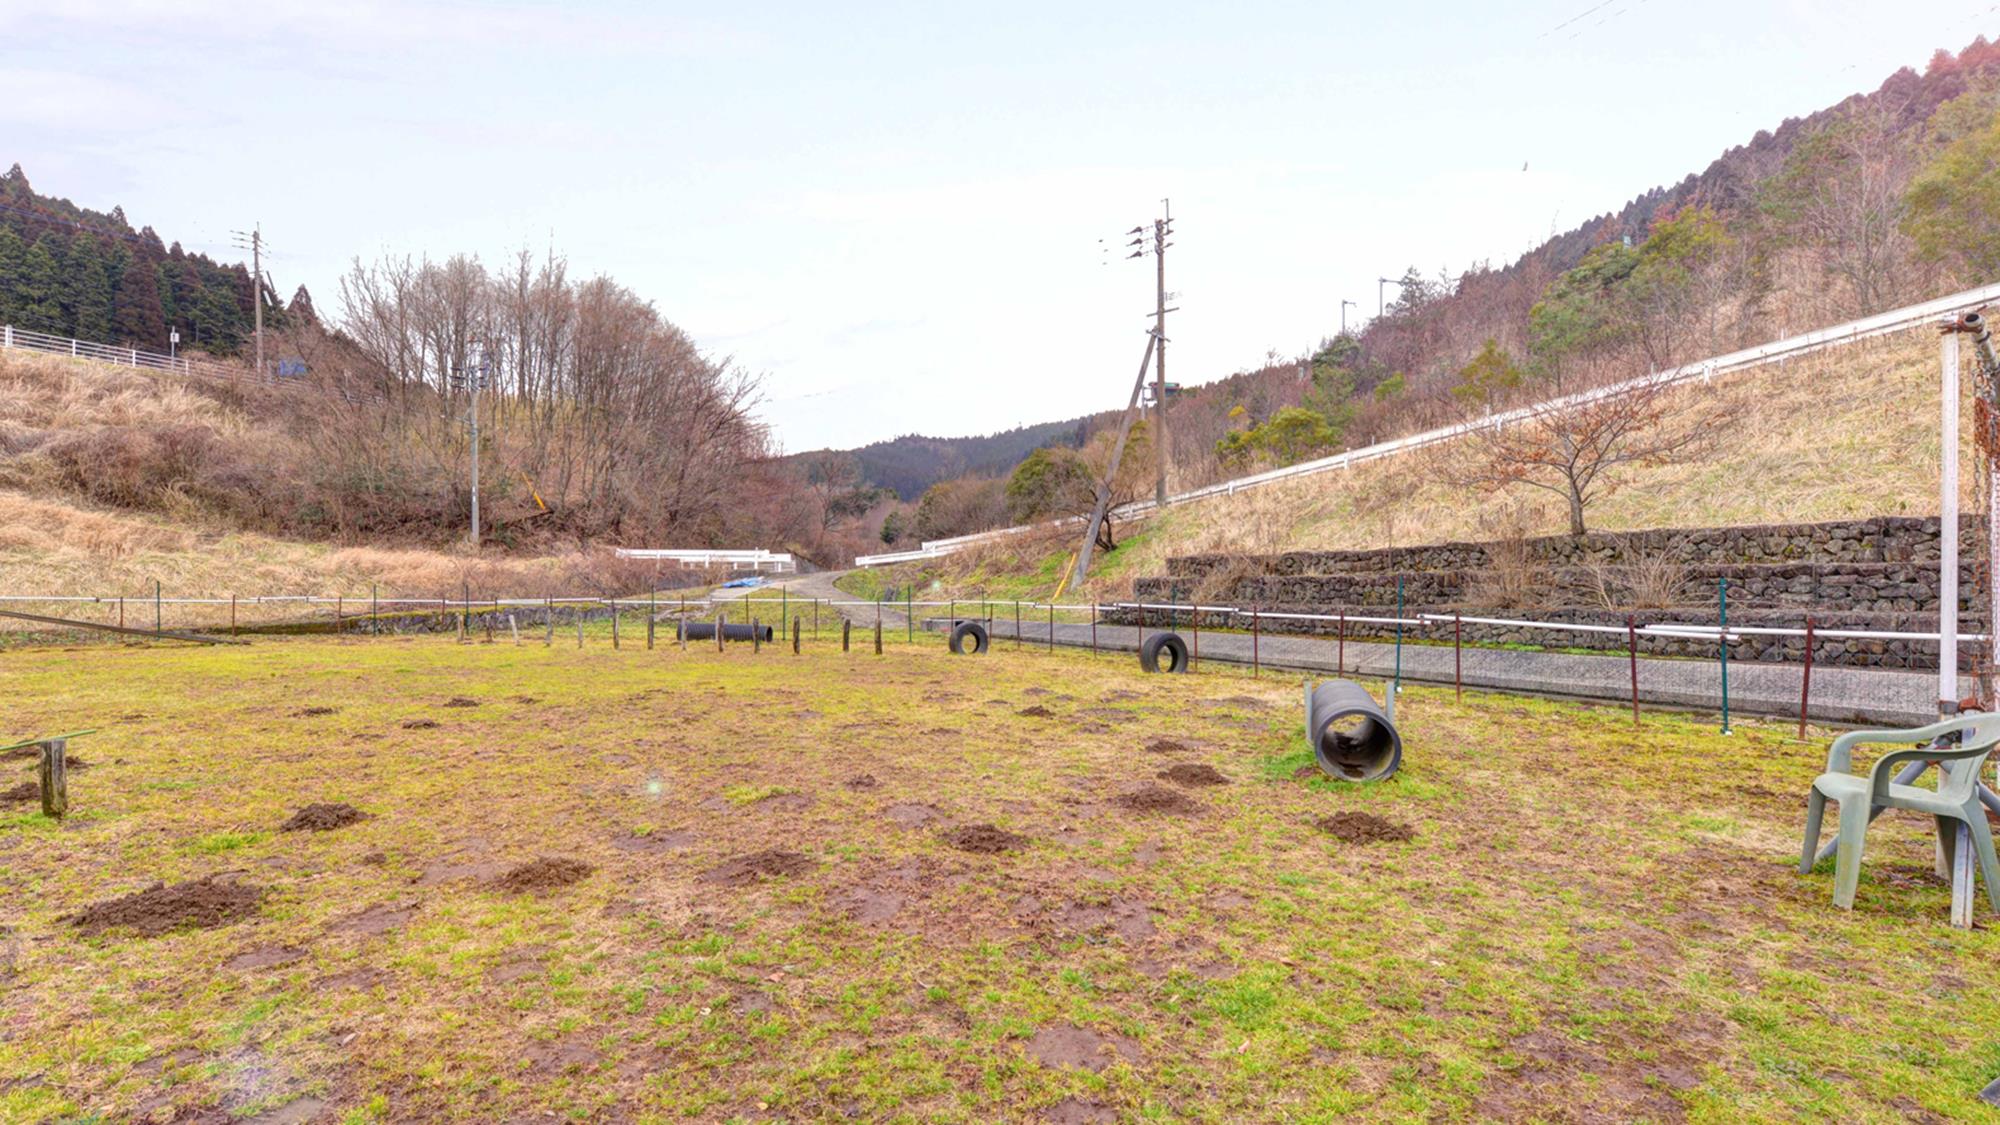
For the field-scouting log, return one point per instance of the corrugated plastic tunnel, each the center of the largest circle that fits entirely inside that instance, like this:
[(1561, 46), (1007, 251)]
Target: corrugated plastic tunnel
[(1352, 738), (705, 631)]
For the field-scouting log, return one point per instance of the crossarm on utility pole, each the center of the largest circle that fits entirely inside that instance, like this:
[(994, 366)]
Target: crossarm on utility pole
[(1103, 505)]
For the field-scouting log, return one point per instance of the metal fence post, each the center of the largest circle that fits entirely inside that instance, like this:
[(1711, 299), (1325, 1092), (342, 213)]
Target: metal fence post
[(156, 607), (910, 612), (1398, 687), (1052, 626), (1722, 639), (1805, 682), (1458, 656), (1093, 627), (1632, 648), (1340, 654), (652, 615), (1254, 637)]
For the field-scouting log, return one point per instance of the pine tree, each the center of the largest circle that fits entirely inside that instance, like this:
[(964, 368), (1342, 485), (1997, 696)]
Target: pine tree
[(41, 290), (137, 319), (87, 291), (13, 267)]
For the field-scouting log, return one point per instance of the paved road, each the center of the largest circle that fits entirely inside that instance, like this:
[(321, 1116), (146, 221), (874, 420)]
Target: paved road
[(1839, 694)]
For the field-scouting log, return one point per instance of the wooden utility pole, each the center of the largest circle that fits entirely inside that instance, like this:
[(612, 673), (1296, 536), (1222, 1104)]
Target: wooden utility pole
[(1100, 509), (1162, 227), (253, 240)]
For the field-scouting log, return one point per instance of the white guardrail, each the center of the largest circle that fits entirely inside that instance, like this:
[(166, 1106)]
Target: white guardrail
[(1881, 324), (12, 337), (777, 562)]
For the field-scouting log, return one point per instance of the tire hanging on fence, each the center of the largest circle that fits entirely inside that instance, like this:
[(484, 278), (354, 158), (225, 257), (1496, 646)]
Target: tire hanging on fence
[(968, 630), (1176, 651)]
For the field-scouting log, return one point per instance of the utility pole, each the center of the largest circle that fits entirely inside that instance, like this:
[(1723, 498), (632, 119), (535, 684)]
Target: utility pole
[(255, 239), (479, 376), (1162, 227), (1379, 283), (1344, 303)]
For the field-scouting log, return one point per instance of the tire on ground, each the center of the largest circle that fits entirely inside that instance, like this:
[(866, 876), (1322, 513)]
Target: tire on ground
[(972, 630), (1176, 651)]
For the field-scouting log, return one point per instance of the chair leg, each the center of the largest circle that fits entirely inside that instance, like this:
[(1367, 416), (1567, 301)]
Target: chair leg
[(1815, 816), (1947, 840), (1982, 846), (1847, 856)]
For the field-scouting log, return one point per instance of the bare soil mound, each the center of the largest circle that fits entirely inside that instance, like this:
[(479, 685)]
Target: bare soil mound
[(1165, 746), (322, 817), (747, 869), (461, 701), (26, 791), (1363, 828), (1193, 773), (200, 904), (1158, 798), (1036, 712), (862, 781), (421, 724), (545, 874), (309, 712), (985, 839)]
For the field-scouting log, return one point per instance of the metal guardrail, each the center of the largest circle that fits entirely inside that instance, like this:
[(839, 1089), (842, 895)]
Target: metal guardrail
[(1881, 324)]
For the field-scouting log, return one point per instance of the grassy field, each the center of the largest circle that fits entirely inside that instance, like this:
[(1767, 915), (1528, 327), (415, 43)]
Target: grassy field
[(913, 887)]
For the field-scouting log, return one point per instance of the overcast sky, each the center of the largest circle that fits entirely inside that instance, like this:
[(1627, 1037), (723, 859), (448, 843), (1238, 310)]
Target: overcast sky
[(892, 211)]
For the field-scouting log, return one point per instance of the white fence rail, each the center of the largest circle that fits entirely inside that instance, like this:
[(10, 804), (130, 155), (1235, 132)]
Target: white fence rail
[(21, 338), (1881, 324), (777, 562)]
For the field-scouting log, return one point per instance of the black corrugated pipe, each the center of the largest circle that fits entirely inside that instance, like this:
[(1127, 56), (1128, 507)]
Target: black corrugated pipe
[(1353, 738), (705, 631)]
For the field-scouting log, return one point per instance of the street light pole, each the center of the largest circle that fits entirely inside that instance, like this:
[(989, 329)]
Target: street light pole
[(1344, 303)]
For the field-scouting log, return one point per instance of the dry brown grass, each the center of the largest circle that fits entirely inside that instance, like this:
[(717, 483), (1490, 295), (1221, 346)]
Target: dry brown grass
[(1849, 433)]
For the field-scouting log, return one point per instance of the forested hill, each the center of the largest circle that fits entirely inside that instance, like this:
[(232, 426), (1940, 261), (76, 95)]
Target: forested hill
[(911, 463), (70, 271)]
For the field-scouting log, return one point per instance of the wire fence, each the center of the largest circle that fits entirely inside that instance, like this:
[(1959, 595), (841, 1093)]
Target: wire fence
[(190, 366)]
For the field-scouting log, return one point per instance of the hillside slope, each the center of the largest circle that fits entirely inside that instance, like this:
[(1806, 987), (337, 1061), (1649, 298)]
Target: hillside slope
[(1846, 433)]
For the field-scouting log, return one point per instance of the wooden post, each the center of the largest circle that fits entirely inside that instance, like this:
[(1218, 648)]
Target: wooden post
[(374, 610), (614, 623), (878, 635), (121, 609), (681, 626), (756, 636), (652, 616), (1194, 634), (797, 623), (232, 615), (1632, 646), (1458, 656), (845, 626), (1254, 636), (1052, 626), (1340, 659), (1017, 624), (721, 619), (1805, 681), (1093, 627), (339, 611), (579, 628), (548, 622), (815, 619), (158, 626), (55, 779)]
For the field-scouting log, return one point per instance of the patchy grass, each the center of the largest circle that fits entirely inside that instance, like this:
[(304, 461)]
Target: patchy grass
[(1588, 914)]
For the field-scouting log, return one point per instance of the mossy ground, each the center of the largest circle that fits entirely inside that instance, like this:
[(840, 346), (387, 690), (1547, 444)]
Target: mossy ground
[(1593, 921)]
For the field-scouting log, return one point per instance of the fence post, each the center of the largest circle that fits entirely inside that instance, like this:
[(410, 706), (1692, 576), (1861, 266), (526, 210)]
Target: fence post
[(1017, 624), (910, 612), (1632, 648), (374, 610), (121, 611), (1805, 682), (1458, 656), (465, 611), (1254, 636), (548, 622), (652, 616), (1093, 627), (157, 627), (54, 777), (1340, 657), (878, 632), (797, 622), (1194, 631), (579, 628), (1052, 626), (614, 623), (232, 615), (756, 636), (721, 620), (846, 627), (1722, 639), (815, 619), (1398, 686), (681, 624)]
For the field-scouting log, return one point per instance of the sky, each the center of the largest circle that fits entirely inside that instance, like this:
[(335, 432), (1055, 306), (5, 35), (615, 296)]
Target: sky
[(897, 214)]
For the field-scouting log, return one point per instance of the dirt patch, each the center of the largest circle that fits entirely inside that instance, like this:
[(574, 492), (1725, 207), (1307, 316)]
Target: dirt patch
[(378, 919), (1129, 918), (309, 712), (358, 979), (1076, 1111), (747, 869), (459, 701), (572, 1053), (545, 874), (985, 839), (322, 817), (1165, 746), (264, 957), (421, 724), (434, 873), (1305, 773), (26, 791), (863, 781), (1193, 773), (1036, 712), (871, 906), (1363, 828), (1157, 798), (1080, 1047), (653, 842), (910, 814), (199, 904), (1109, 714)]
